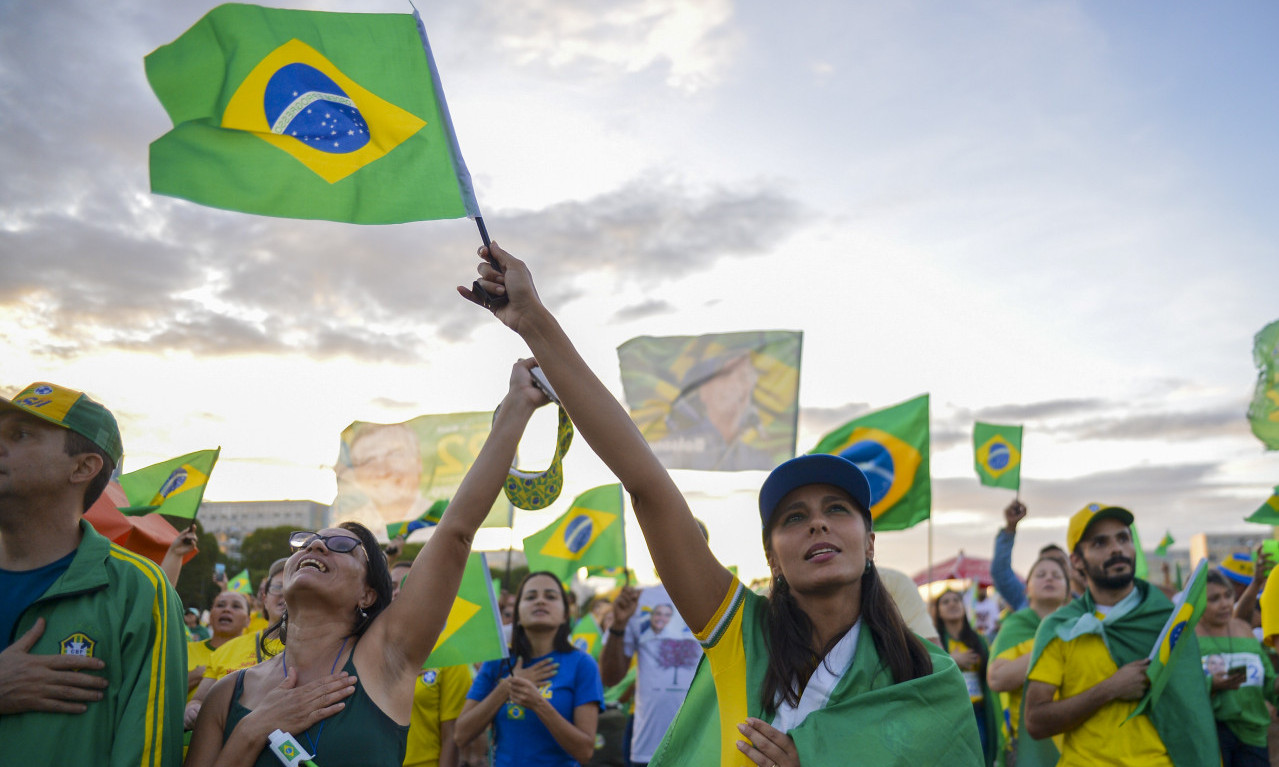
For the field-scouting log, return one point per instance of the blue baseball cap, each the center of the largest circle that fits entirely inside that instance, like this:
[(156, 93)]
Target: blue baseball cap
[(813, 469)]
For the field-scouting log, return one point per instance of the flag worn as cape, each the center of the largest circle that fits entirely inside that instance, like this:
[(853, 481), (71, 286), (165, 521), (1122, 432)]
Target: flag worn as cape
[(590, 533), (473, 631), (1263, 411), (240, 583), (174, 487), (307, 114), (891, 447), (1183, 716), (866, 715), (1017, 629), (997, 455), (988, 702), (429, 518), (1268, 512)]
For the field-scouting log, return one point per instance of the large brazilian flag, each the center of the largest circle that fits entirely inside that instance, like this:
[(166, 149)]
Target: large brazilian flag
[(174, 487), (304, 114), (891, 447)]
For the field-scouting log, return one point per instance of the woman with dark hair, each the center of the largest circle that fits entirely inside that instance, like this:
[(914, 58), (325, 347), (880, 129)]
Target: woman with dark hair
[(822, 672), (546, 707), (1047, 589), (343, 684), (970, 653)]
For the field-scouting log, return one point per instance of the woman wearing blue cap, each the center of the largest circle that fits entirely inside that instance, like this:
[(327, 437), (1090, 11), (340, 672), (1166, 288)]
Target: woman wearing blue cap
[(824, 670)]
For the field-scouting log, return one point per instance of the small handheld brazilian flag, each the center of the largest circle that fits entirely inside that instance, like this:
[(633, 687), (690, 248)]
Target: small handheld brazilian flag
[(590, 533), (429, 518), (174, 487), (240, 583), (1268, 512), (473, 631), (307, 114), (1186, 612), (1164, 543), (997, 455)]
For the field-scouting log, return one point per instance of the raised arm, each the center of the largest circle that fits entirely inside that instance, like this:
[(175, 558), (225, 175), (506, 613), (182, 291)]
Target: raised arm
[(696, 582), (406, 631)]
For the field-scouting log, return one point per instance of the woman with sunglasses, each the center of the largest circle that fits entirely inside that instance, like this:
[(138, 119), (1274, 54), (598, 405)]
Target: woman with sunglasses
[(343, 684), (824, 671), (545, 709)]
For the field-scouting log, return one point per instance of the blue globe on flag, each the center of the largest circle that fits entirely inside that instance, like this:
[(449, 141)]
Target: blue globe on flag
[(303, 102), (577, 533), (998, 456), (876, 462)]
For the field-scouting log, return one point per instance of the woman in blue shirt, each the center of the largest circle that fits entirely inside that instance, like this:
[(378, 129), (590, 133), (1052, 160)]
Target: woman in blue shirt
[(545, 708)]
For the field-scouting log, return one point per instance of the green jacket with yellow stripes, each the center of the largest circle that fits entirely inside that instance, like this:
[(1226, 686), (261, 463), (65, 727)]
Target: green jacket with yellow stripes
[(117, 606)]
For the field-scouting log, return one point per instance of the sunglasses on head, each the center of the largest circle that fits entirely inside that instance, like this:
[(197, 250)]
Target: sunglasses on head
[(339, 543)]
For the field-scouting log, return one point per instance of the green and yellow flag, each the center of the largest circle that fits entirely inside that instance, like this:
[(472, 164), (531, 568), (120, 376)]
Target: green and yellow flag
[(429, 518), (997, 452), (1268, 512), (473, 631), (241, 583), (891, 447), (586, 636), (306, 114), (1263, 413), (590, 533), (174, 487), (1164, 543), (1186, 613)]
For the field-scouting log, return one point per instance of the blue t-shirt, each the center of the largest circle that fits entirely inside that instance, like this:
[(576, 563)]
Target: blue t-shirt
[(521, 737), (21, 588)]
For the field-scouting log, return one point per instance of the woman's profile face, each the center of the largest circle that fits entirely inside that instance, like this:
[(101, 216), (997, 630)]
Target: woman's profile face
[(541, 603), (818, 539)]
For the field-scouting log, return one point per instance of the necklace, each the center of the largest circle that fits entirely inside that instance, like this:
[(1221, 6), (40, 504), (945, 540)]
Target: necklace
[(314, 744)]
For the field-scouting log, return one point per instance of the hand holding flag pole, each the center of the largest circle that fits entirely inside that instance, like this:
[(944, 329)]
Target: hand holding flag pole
[(489, 300)]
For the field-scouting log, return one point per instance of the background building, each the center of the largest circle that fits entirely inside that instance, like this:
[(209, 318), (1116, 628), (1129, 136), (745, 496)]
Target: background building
[(230, 521)]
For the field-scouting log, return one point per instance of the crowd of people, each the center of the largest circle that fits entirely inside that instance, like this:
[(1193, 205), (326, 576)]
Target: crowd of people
[(837, 661)]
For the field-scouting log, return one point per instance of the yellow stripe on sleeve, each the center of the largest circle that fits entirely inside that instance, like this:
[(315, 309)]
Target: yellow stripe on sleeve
[(153, 731)]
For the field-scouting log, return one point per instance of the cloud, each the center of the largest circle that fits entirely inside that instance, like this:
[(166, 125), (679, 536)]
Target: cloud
[(1186, 426), (643, 310)]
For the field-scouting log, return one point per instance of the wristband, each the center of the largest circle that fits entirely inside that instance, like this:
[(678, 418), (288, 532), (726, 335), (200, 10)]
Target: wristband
[(617, 632)]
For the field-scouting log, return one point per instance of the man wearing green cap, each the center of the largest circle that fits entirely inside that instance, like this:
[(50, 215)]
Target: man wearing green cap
[(92, 649), (1088, 666)]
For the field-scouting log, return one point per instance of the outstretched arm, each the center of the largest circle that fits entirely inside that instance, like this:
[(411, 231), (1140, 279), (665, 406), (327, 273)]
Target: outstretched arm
[(406, 631), (695, 580)]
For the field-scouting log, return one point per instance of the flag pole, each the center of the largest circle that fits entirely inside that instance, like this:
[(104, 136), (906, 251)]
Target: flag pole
[(489, 300)]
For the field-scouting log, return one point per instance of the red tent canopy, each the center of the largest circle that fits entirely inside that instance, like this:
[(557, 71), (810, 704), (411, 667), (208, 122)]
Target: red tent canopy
[(957, 568), (148, 535)]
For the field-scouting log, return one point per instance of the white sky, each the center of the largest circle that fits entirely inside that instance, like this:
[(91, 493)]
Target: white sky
[(1045, 213)]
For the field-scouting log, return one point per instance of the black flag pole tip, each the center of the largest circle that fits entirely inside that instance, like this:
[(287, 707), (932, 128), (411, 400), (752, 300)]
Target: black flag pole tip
[(491, 301)]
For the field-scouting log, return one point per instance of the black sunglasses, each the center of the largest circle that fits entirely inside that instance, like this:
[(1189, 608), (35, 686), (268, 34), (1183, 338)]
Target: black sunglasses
[(338, 542)]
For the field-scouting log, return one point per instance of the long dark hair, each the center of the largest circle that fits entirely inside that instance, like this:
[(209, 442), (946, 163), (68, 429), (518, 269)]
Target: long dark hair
[(790, 634), (967, 634), (377, 576), (521, 647)]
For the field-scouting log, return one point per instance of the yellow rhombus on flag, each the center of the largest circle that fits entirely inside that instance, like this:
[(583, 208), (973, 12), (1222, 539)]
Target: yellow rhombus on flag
[(590, 534), (473, 631), (174, 487)]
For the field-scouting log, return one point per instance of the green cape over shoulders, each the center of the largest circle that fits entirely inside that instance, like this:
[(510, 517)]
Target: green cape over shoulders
[(1183, 715), (1013, 630), (868, 717)]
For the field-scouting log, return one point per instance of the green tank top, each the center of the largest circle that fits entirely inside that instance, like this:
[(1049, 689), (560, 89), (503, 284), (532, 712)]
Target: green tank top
[(360, 735)]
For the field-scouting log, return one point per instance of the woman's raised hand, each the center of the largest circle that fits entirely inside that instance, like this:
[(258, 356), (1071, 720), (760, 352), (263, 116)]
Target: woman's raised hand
[(509, 278)]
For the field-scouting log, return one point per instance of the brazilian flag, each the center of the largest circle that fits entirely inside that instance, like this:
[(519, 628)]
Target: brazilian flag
[(891, 447), (174, 487), (1268, 512), (473, 631), (429, 518), (997, 455), (587, 637), (1186, 613), (305, 114), (590, 534), (241, 583)]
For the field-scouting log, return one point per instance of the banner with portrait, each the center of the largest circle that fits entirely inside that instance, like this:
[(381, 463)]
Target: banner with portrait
[(720, 402)]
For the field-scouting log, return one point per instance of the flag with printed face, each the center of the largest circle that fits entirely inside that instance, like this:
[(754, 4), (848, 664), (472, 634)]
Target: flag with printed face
[(720, 402), (997, 455), (1268, 512), (1187, 609), (388, 473), (1263, 412), (240, 583), (590, 533), (174, 487), (473, 631), (307, 114), (429, 518), (891, 447)]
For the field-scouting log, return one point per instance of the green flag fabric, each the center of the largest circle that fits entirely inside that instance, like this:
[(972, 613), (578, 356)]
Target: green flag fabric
[(307, 114), (1140, 567), (1183, 715), (240, 583), (1017, 628), (865, 714), (429, 518), (1263, 412), (590, 533), (891, 447), (718, 402), (174, 487), (997, 455), (473, 631), (1164, 543), (586, 637), (1268, 512), (1186, 612)]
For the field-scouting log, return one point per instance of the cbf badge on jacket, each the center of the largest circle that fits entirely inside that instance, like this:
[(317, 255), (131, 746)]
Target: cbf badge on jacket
[(78, 644)]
